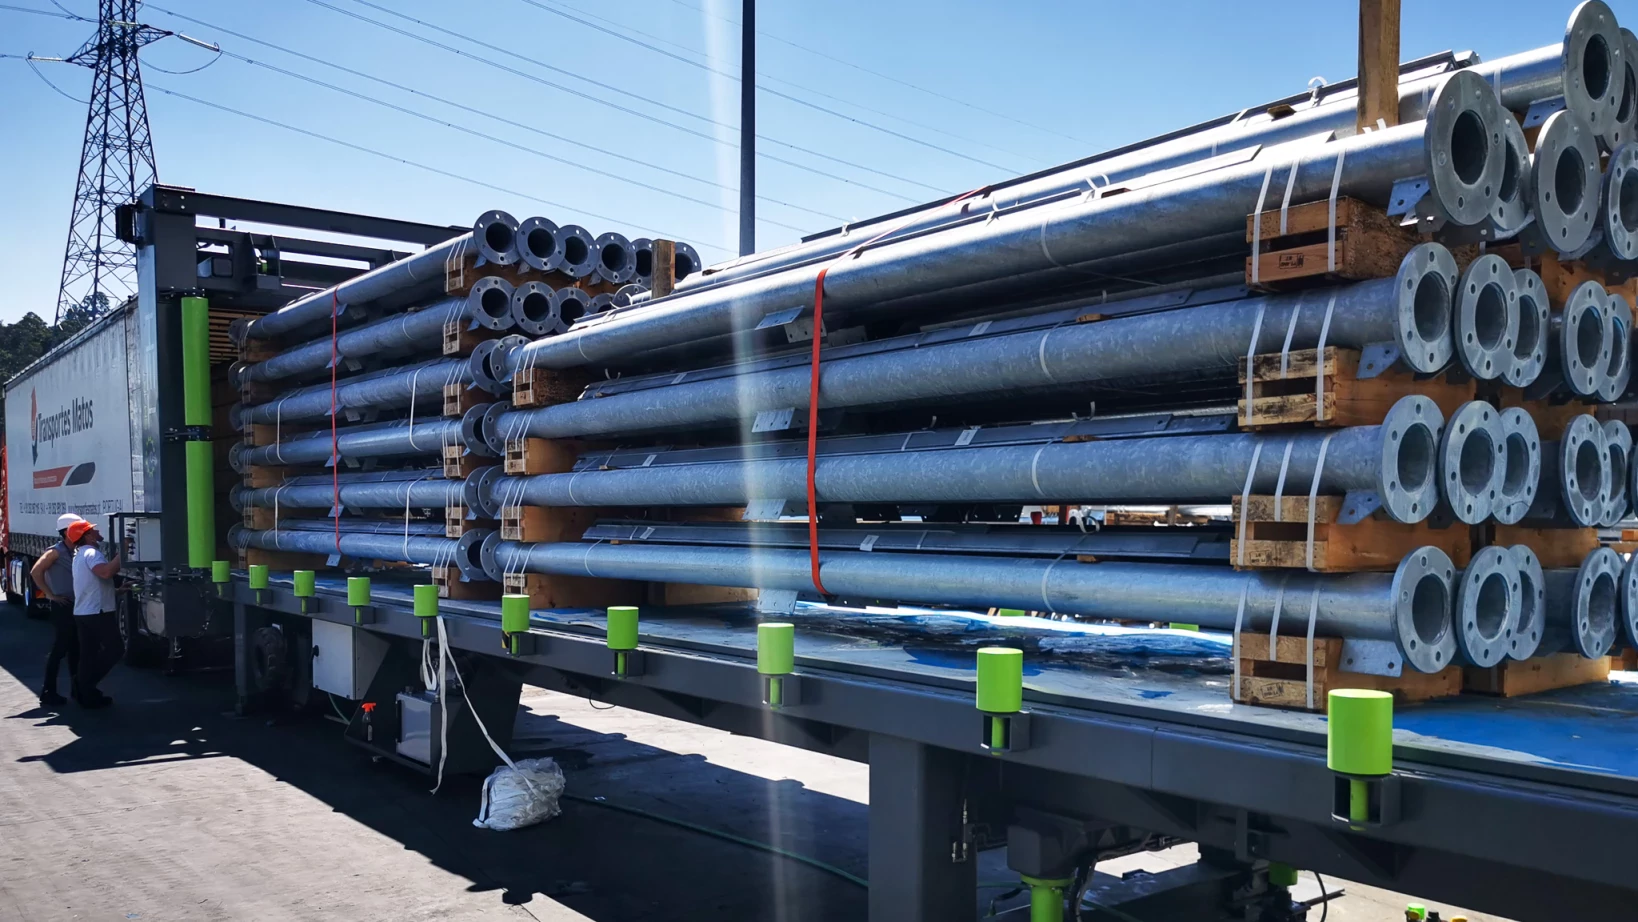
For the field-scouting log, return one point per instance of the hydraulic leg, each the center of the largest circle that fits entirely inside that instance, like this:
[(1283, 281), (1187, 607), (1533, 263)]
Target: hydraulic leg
[(921, 868)]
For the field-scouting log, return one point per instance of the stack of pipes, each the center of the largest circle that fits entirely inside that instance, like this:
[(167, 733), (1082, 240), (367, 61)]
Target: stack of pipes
[(962, 344)]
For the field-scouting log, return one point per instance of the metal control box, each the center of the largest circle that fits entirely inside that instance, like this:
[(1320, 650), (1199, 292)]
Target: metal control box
[(345, 658), (419, 719)]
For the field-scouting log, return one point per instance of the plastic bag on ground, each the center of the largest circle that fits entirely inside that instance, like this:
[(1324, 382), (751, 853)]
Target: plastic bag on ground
[(513, 799)]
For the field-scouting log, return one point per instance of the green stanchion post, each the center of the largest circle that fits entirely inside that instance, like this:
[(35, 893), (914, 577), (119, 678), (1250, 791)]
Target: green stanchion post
[(775, 656), (622, 634), (1000, 689), (358, 595), (1359, 742), (198, 455), (1046, 898), (426, 606), (1009, 612), (306, 585), (220, 573), (259, 574), (1282, 875), (514, 620)]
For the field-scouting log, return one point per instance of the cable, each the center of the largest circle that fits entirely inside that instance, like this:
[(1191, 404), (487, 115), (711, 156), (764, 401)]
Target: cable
[(418, 165), (773, 92), (63, 15), (1325, 910), (196, 70), (29, 60), (337, 708), (630, 111), (457, 105), (875, 73)]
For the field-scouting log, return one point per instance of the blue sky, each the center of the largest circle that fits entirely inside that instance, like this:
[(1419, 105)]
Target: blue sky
[(1014, 87)]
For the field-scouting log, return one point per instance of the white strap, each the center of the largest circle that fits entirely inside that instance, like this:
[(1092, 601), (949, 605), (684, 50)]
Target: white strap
[(1279, 485), (1331, 242), (1245, 497), (1239, 618), (1313, 614), (1274, 624), (1290, 333), (1257, 224), (1319, 359), (1251, 354), (1285, 205), (1313, 497)]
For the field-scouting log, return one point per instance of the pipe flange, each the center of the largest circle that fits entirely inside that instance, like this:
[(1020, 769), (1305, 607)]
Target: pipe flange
[(485, 500), (490, 363), (1487, 317), (1423, 589), (571, 304), (495, 234), (687, 262), (1618, 456), (539, 245), (1473, 461), (1535, 321), (1594, 61), (488, 427), (1584, 474), (472, 427), (471, 489), (1564, 181), (1463, 138), (642, 261), (1426, 283), (236, 497), (622, 298), (236, 457), (1629, 601), (1597, 591), (532, 309), (1512, 209), (1618, 368), (236, 373), (469, 554), (579, 252), (1521, 466), (1408, 478), (238, 536), (489, 303), (601, 303), (239, 331), (1583, 341), (1618, 205), (488, 557), (1532, 619), (1488, 601), (236, 416), (1626, 110), (616, 260)]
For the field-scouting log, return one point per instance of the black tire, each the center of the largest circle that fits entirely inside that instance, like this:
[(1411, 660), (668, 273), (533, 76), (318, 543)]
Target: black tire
[(33, 606)]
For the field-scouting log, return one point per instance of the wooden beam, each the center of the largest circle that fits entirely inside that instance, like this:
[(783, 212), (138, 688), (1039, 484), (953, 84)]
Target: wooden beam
[(665, 267), (1378, 63)]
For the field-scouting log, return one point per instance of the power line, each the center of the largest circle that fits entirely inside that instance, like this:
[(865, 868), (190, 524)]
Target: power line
[(449, 174), (622, 36), (644, 115), (876, 73), (463, 107)]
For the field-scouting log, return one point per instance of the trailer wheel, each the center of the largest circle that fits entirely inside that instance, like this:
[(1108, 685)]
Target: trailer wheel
[(142, 649), (269, 660)]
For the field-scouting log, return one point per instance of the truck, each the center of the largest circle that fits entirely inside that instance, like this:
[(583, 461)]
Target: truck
[(96, 426)]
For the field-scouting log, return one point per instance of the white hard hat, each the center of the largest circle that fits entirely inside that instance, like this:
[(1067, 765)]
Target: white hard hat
[(67, 519)]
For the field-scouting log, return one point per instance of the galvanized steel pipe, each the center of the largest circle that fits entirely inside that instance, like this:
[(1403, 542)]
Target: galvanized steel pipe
[(398, 438), (421, 549), (420, 386), (406, 489)]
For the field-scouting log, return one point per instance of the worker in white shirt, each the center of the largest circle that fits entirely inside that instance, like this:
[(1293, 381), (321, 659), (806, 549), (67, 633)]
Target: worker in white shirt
[(53, 575), (95, 615)]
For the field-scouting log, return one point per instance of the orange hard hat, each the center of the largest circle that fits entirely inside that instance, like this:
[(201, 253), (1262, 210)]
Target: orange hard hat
[(77, 530)]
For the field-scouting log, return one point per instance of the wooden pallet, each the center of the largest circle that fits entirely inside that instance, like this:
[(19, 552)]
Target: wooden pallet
[(540, 456), (1171, 515), (1280, 679), (450, 586), (1369, 244), (1560, 278), (543, 387), (457, 523), (460, 397), (1556, 548), (534, 524), (673, 594), (458, 464), (665, 267), (282, 560), (461, 339), (551, 591), (1543, 673), (460, 277), (258, 478), (1288, 394), (1374, 543)]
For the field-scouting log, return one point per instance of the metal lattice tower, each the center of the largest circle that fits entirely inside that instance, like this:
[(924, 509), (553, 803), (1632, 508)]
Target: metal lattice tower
[(116, 161)]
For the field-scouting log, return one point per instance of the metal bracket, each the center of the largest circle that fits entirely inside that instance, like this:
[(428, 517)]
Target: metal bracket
[(776, 601), (634, 664), (1358, 505), (773, 420), (363, 614), (521, 643), (764, 510), (1372, 657), (1014, 732), (1539, 110), (780, 318), (1382, 800), (188, 434), (1406, 193), (790, 690), (1377, 358)]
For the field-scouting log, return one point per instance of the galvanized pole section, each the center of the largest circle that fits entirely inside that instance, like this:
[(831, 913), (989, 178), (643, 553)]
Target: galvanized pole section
[(747, 130), (1378, 64)]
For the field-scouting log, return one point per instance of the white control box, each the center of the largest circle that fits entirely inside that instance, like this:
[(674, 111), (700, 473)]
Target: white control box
[(345, 658)]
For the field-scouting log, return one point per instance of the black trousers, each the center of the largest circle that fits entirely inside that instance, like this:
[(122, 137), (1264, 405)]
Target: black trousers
[(100, 649), (65, 644)]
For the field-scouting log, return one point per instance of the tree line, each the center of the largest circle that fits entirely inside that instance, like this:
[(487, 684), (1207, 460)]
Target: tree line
[(25, 340)]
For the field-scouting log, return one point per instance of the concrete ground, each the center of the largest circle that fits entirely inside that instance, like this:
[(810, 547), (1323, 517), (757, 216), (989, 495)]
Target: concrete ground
[(166, 807)]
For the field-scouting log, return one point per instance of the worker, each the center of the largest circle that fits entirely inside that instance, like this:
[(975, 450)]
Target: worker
[(95, 617), (53, 575)]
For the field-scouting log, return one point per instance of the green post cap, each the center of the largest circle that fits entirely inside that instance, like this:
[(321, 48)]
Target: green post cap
[(220, 571), (1359, 732), (1416, 912), (1009, 612), (258, 576), (514, 613), (1046, 898), (775, 648), (306, 582), (426, 601), (1282, 875), (1000, 680), (358, 590), (623, 628)]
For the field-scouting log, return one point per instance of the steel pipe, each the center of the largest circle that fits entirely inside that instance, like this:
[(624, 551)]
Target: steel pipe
[(363, 526), (1618, 457), (540, 244), (1488, 603), (461, 553), (1410, 607), (1473, 461), (1397, 460), (1629, 601), (1582, 606), (1521, 466), (1458, 148), (1564, 184), (493, 240), (391, 388), (1575, 478), (398, 490), (579, 251), (1487, 317), (1617, 370), (488, 305), (532, 310), (398, 438), (1579, 350), (616, 259), (1530, 345), (1411, 311), (1563, 69), (1532, 618)]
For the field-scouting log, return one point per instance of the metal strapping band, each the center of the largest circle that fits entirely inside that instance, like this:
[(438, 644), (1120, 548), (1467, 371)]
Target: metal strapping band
[(1285, 204), (1257, 224), (1290, 332), (1239, 618), (1279, 485), (1245, 496), (1319, 359), (1274, 623), (1313, 614), (1331, 241), (1313, 497), (1251, 354)]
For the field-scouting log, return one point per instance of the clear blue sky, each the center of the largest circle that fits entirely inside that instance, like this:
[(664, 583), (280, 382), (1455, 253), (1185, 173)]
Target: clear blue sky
[(1084, 76)]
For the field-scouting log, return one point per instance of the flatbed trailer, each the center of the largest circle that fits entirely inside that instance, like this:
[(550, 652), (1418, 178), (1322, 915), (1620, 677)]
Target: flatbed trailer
[(1526, 808)]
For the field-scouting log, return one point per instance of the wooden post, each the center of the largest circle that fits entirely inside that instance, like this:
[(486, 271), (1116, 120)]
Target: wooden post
[(1378, 63), (665, 267)]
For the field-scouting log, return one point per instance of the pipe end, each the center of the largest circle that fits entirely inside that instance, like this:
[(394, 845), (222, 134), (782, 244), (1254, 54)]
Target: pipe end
[(1423, 592)]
